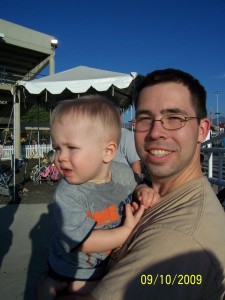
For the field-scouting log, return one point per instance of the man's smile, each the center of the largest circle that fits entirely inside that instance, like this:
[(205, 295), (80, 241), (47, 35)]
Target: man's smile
[(159, 153)]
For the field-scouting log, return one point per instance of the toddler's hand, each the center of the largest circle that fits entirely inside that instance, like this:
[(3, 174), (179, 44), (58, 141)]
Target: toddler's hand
[(133, 214), (147, 196)]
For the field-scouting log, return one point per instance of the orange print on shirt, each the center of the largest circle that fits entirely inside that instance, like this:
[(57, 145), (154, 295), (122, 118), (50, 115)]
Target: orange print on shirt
[(104, 217)]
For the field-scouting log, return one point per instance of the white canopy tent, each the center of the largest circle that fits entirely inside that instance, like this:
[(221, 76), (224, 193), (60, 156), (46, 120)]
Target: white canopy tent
[(83, 80), (118, 87)]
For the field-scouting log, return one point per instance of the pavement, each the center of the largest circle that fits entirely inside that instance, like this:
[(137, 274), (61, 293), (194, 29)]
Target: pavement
[(25, 233)]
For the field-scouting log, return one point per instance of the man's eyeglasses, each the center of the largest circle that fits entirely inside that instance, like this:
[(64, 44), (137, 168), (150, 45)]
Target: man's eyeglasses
[(168, 122)]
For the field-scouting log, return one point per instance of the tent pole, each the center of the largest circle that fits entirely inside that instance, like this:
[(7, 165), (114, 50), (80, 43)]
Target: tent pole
[(16, 124), (52, 63), (16, 150), (38, 129)]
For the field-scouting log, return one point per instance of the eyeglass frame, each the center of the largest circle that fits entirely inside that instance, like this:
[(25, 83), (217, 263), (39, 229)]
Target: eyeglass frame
[(161, 121)]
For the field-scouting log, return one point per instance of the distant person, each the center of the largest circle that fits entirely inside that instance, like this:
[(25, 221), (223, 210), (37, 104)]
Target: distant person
[(126, 152), (91, 199)]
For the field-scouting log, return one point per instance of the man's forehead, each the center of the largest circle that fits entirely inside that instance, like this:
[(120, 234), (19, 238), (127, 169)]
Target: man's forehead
[(165, 88), (165, 96)]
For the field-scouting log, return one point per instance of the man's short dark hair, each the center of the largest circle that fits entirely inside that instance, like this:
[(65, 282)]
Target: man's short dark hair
[(173, 75)]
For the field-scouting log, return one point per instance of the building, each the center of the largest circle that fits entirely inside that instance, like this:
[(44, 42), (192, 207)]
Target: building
[(24, 53)]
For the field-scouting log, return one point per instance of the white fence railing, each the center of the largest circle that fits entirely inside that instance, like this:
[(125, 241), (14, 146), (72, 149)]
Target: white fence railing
[(37, 151), (28, 151), (219, 153)]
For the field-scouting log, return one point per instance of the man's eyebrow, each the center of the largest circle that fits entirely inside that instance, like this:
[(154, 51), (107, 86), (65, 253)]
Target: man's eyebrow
[(144, 112), (162, 112), (173, 111)]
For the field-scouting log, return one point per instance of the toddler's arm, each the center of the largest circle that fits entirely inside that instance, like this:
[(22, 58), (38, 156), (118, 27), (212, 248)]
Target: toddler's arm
[(102, 240), (107, 240)]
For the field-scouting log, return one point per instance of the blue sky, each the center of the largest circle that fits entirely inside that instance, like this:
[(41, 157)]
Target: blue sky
[(133, 36)]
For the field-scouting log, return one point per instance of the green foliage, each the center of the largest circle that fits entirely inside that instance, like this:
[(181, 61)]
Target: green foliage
[(36, 115)]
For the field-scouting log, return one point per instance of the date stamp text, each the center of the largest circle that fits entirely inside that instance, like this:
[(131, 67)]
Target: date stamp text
[(168, 279)]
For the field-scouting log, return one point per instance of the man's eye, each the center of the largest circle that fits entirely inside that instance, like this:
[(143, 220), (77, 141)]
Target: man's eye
[(175, 118), (145, 120)]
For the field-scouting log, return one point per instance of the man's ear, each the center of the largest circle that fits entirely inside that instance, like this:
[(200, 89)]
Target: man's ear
[(204, 128), (110, 151)]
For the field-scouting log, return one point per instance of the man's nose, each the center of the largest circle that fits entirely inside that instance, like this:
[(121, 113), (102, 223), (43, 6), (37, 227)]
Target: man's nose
[(156, 131)]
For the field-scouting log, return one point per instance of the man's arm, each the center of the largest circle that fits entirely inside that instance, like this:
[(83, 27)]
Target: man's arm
[(136, 167)]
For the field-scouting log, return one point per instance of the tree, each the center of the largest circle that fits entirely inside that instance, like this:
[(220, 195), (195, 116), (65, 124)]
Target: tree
[(36, 115)]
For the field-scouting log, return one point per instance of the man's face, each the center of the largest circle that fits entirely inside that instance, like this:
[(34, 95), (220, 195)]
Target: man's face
[(174, 153)]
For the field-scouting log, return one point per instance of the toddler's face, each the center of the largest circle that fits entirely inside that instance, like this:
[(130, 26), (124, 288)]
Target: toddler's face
[(79, 151)]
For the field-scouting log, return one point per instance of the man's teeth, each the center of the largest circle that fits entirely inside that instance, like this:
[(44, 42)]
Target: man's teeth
[(159, 152)]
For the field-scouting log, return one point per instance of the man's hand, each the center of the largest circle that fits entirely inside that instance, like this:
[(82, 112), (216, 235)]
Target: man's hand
[(47, 288)]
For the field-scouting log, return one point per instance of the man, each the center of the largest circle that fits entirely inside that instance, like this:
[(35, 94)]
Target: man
[(177, 251)]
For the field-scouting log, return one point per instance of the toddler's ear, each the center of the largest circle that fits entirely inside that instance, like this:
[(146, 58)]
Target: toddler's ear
[(110, 151)]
